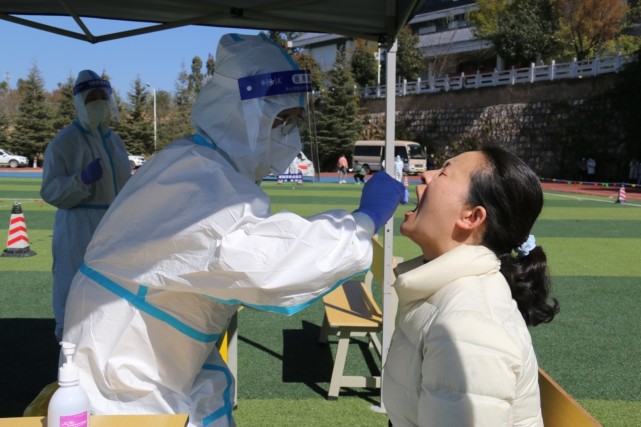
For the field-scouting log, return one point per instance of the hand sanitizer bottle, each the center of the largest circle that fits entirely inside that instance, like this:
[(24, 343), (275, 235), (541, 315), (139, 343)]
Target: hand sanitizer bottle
[(69, 405)]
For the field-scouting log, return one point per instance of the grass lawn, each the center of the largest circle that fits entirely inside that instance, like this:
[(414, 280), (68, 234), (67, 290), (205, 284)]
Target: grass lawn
[(592, 348)]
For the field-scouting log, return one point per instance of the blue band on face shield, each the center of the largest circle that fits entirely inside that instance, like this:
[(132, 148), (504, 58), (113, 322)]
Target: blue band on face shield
[(92, 84), (279, 83)]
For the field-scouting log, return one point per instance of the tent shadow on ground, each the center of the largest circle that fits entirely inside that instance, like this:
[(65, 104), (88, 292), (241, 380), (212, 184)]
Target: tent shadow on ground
[(307, 361), (28, 362)]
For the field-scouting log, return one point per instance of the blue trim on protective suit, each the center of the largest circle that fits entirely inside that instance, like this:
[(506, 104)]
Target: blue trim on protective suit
[(203, 141), (138, 301), (288, 311), (227, 407)]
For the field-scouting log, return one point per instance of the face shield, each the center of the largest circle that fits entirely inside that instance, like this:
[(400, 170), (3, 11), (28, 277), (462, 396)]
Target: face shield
[(274, 105), (93, 100)]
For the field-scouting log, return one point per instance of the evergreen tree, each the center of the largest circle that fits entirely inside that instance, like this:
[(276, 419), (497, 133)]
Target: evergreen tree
[(179, 122), (34, 127), (196, 78), (65, 110), (338, 124), (4, 129), (136, 127), (211, 67)]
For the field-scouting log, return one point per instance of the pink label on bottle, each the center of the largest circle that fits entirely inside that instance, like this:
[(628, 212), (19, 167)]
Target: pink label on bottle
[(77, 420)]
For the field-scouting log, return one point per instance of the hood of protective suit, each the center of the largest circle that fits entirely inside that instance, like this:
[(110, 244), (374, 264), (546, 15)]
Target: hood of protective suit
[(95, 113), (253, 82)]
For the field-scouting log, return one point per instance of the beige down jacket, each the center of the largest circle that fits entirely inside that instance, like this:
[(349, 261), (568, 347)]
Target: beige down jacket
[(461, 354)]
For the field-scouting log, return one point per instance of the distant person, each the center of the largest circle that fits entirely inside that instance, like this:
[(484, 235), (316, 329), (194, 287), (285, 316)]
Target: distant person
[(398, 169), (591, 169), (360, 171), (461, 353), (430, 162), (342, 166), (85, 167), (634, 171)]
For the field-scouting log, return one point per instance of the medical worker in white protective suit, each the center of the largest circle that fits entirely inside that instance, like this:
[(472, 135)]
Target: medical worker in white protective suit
[(192, 237), (398, 168), (85, 167)]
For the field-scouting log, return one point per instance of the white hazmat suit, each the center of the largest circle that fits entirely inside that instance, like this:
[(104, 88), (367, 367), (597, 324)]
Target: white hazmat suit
[(81, 206), (398, 168), (192, 237)]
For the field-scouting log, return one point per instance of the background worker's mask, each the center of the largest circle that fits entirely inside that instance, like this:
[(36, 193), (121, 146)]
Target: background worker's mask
[(98, 113)]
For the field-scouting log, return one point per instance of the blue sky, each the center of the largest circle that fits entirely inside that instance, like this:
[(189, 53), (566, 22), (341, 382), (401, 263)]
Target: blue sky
[(155, 57)]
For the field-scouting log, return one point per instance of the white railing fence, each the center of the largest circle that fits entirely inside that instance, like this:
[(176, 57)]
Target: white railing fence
[(533, 73)]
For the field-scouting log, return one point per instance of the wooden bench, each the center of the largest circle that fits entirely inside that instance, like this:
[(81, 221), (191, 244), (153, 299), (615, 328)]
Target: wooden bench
[(559, 409), (351, 311)]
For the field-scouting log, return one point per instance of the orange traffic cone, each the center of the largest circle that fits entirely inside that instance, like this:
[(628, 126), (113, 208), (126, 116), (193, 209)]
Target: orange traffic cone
[(18, 239), (621, 198), (405, 181)]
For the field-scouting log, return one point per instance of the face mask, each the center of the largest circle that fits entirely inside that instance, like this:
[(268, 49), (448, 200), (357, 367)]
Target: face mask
[(98, 112), (283, 149)]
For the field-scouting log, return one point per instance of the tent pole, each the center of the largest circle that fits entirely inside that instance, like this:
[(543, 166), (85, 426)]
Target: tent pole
[(389, 311)]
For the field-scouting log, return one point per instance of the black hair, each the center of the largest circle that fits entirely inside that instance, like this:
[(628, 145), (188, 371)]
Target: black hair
[(512, 196)]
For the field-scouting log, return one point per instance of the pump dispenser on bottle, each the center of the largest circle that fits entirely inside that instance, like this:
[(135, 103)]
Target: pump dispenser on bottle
[(69, 405)]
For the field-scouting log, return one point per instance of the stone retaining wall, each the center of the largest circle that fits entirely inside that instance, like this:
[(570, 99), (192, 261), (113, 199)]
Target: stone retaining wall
[(551, 125)]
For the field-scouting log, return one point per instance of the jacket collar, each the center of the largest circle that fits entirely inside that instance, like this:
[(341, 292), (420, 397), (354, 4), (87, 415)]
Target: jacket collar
[(418, 281)]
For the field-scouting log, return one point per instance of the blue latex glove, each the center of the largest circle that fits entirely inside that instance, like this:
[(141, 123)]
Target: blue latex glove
[(92, 172), (381, 195)]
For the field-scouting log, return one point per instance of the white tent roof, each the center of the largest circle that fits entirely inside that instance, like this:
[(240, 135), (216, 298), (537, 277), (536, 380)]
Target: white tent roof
[(379, 20)]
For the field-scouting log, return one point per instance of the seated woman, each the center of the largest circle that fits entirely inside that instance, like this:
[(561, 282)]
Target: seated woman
[(461, 354)]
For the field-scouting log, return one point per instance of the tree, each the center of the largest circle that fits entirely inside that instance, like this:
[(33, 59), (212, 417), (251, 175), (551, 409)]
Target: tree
[(196, 78), (522, 31), (63, 99), (364, 65), (211, 67), (337, 121), (34, 127), (587, 24), (307, 62), (179, 123), (136, 127), (409, 58)]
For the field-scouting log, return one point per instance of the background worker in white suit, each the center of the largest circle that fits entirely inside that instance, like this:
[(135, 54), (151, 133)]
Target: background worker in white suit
[(398, 168), (192, 237), (85, 167)]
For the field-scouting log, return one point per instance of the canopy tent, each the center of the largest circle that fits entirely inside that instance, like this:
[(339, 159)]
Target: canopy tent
[(378, 20)]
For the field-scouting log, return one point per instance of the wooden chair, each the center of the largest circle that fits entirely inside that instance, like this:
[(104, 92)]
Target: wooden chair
[(559, 409), (351, 311)]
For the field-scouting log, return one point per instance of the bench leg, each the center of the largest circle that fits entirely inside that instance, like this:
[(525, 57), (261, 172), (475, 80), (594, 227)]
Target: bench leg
[(339, 364), (324, 332)]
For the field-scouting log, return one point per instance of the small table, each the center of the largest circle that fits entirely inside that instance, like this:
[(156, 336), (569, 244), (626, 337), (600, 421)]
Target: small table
[(168, 420)]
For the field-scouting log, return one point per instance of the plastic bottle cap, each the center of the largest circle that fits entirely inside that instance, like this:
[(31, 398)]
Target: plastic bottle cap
[(68, 373)]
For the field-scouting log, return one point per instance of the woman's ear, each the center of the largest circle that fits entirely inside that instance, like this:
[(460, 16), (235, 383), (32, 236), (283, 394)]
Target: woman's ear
[(472, 218)]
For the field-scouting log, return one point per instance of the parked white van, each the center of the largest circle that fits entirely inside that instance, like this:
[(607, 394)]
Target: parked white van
[(370, 153)]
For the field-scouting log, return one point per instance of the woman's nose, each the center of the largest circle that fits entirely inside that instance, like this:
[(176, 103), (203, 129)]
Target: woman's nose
[(428, 176)]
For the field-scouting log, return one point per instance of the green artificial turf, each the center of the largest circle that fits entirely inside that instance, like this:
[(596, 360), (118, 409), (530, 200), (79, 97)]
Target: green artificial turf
[(592, 348)]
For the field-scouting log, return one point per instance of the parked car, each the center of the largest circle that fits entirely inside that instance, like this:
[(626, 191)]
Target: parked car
[(12, 160), (135, 161)]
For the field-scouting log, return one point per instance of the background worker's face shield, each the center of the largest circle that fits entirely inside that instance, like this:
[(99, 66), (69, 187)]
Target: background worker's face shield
[(264, 99), (84, 110)]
